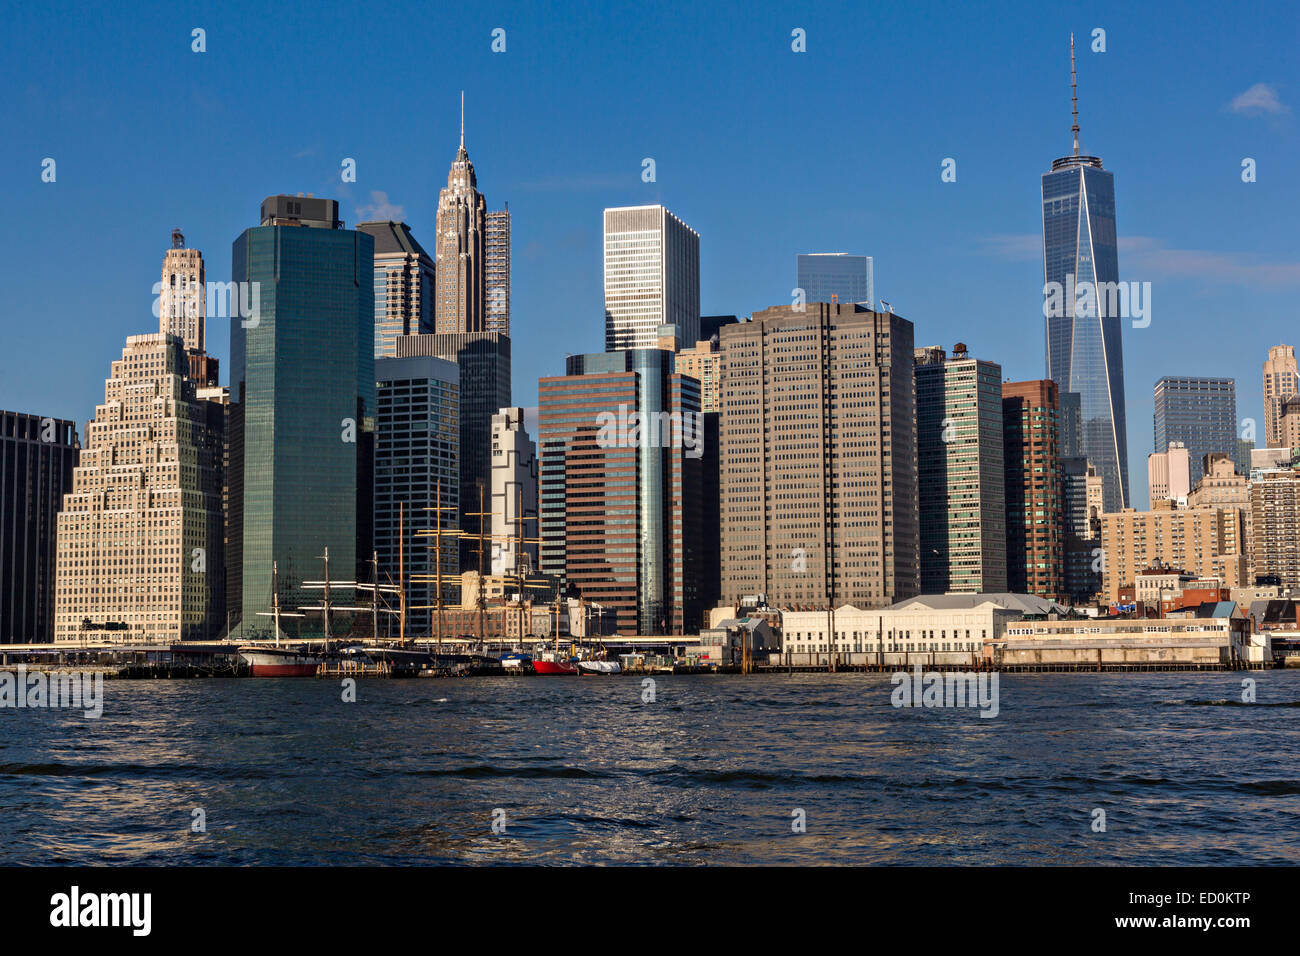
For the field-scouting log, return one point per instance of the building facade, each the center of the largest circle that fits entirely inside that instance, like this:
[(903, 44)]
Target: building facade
[(1084, 350), (1275, 516), (652, 277), (514, 494), (417, 482), (497, 279), (302, 410), (960, 472), (182, 300), (817, 458), (1081, 509), (1169, 473), (837, 277), (1031, 453), (461, 249), (1206, 542), (1281, 382), (1201, 413), (620, 447), (37, 458), (484, 362), (703, 362), (1288, 425), (405, 280), (140, 534)]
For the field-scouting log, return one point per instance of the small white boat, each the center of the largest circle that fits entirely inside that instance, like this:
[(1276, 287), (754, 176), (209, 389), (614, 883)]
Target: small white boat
[(598, 667)]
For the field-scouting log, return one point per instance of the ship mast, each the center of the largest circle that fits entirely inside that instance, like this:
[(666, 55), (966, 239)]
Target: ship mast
[(275, 599), (437, 532)]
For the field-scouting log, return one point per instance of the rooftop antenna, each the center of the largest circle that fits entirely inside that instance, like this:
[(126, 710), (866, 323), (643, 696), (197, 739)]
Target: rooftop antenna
[(1074, 98), (462, 108)]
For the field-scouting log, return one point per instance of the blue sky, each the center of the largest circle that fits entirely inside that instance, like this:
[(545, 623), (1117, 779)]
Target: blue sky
[(765, 152)]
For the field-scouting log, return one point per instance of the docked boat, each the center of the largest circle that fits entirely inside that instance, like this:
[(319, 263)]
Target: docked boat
[(550, 662), (278, 662), (598, 667), (517, 662)]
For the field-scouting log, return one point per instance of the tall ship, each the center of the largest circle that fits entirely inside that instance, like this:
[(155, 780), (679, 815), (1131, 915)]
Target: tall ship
[(278, 661)]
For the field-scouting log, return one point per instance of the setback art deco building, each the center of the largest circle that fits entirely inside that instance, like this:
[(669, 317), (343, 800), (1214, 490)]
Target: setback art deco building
[(472, 249), (140, 534)]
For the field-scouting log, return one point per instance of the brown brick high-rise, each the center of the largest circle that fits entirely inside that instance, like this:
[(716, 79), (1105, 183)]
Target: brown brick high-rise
[(1031, 448)]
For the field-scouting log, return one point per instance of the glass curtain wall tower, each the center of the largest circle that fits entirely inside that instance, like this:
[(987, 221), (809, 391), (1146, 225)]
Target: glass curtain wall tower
[(1084, 351)]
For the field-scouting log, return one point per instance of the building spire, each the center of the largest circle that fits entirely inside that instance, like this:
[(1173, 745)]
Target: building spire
[(462, 107), (1074, 99)]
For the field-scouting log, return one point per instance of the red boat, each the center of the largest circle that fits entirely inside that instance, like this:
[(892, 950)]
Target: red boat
[(278, 662), (555, 666)]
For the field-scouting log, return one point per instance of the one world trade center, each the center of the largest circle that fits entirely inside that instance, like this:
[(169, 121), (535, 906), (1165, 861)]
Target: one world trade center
[(1084, 353)]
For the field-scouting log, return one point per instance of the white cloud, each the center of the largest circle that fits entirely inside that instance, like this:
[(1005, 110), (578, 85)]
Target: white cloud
[(1145, 257), (1260, 99), (381, 209), (1015, 248)]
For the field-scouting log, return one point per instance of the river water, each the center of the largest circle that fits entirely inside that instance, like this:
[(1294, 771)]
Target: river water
[(789, 769)]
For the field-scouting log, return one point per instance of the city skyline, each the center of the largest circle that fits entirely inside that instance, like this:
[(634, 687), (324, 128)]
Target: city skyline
[(753, 214)]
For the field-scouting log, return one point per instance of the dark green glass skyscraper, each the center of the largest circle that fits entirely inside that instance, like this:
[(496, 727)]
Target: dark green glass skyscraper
[(302, 394)]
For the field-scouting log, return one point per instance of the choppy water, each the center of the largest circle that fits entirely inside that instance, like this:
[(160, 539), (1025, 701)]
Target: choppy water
[(710, 772)]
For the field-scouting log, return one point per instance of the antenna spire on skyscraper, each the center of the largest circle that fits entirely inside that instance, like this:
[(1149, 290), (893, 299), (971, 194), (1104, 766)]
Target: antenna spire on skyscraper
[(1074, 98), (462, 110)]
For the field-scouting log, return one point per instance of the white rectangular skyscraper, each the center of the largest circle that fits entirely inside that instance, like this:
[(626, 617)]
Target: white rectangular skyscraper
[(652, 277)]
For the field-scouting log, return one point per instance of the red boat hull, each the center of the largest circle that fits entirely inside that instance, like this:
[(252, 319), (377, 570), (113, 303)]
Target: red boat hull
[(554, 667), (282, 670), (276, 663)]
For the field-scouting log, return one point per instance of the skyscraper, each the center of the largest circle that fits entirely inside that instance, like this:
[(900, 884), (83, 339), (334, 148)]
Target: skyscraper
[(139, 537), (960, 472), (497, 282), (652, 277), (37, 458), (818, 457), (404, 285), (1084, 351), (514, 493), (1275, 515), (461, 247), (182, 308), (1201, 413), (417, 471), (619, 439), (1081, 506), (302, 409), (837, 277), (484, 362), (182, 302), (1281, 382), (1031, 452)]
